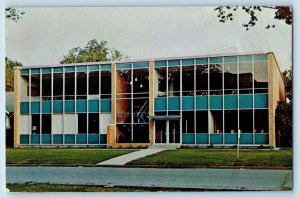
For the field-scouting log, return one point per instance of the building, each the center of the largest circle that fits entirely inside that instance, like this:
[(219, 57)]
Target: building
[(9, 118), (185, 101)]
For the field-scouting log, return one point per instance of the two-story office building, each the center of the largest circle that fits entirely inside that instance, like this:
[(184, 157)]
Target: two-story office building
[(199, 100)]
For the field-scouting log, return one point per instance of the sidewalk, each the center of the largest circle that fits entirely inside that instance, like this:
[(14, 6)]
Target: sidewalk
[(124, 159)]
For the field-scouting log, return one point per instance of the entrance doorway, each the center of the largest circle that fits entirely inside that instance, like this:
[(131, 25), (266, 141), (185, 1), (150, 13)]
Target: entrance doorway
[(167, 131)]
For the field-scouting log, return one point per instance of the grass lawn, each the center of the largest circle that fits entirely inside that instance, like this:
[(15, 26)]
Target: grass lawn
[(219, 157), (61, 156), (69, 188)]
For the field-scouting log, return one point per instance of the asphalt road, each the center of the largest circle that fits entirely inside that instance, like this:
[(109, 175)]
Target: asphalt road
[(211, 179)]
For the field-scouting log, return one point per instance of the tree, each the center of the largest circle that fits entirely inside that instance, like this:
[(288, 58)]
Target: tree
[(284, 123), (9, 73), (226, 13), (92, 52), (287, 78), (13, 14)]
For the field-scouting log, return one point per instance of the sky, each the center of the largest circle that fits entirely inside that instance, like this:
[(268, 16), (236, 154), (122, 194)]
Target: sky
[(44, 35)]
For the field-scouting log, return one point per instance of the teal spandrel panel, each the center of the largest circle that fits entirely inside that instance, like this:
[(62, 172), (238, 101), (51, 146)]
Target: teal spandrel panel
[(46, 139), (202, 61), (24, 71), (216, 138), (69, 106), (105, 105), (123, 66), (82, 68), (231, 138), (141, 65), (93, 67), (260, 57), (188, 103), (93, 138), (188, 138), (216, 102), (174, 103), (35, 139), (106, 67), (160, 104), (57, 69), (24, 108), (161, 63), (215, 60), (81, 139), (187, 62), (173, 62), (230, 102), (70, 69), (57, 139), (261, 138), (93, 106), (246, 101), (201, 138), (46, 70), (35, 71), (246, 138), (201, 102), (245, 58), (69, 139), (46, 107), (35, 107), (261, 101), (230, 59), (24, 139), (57, 106), (81, 106)]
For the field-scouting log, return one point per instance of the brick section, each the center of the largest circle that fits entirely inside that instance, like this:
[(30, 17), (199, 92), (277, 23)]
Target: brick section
[(276, 94), (16, 107), (110, 137), (151, 101)]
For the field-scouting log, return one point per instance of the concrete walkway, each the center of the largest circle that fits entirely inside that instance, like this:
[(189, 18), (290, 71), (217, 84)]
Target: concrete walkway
[(124, 159)]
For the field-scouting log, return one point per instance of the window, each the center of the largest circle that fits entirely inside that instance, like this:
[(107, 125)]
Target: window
[(216, 79), (245, 78), (93, 122), (46, 124), (105, 84), (93, 83), (201, 79), (261, 77), (46, 86), (230, 78), (174, 81), (57, 86), (160, 82), (188, 80), (70, 86), (35, 85)]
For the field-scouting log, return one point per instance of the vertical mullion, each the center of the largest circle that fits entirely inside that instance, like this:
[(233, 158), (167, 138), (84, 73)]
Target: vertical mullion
[(64, 100), (87, 103), (223, 103), (208, 99), (167, 103), (29, 107), (99, 103), (238, 93), (52, 99), (180, 123), (41, 84), (131, 95), (253, 102), (76, 115), (195, 102)]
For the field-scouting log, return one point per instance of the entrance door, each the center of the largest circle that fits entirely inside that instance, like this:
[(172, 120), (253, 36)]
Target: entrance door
[(167, 131)]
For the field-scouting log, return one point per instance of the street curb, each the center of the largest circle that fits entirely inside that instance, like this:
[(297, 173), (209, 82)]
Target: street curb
[(153, 166)]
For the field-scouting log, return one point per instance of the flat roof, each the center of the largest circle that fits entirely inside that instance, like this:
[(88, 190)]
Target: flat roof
[(141, 60)]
